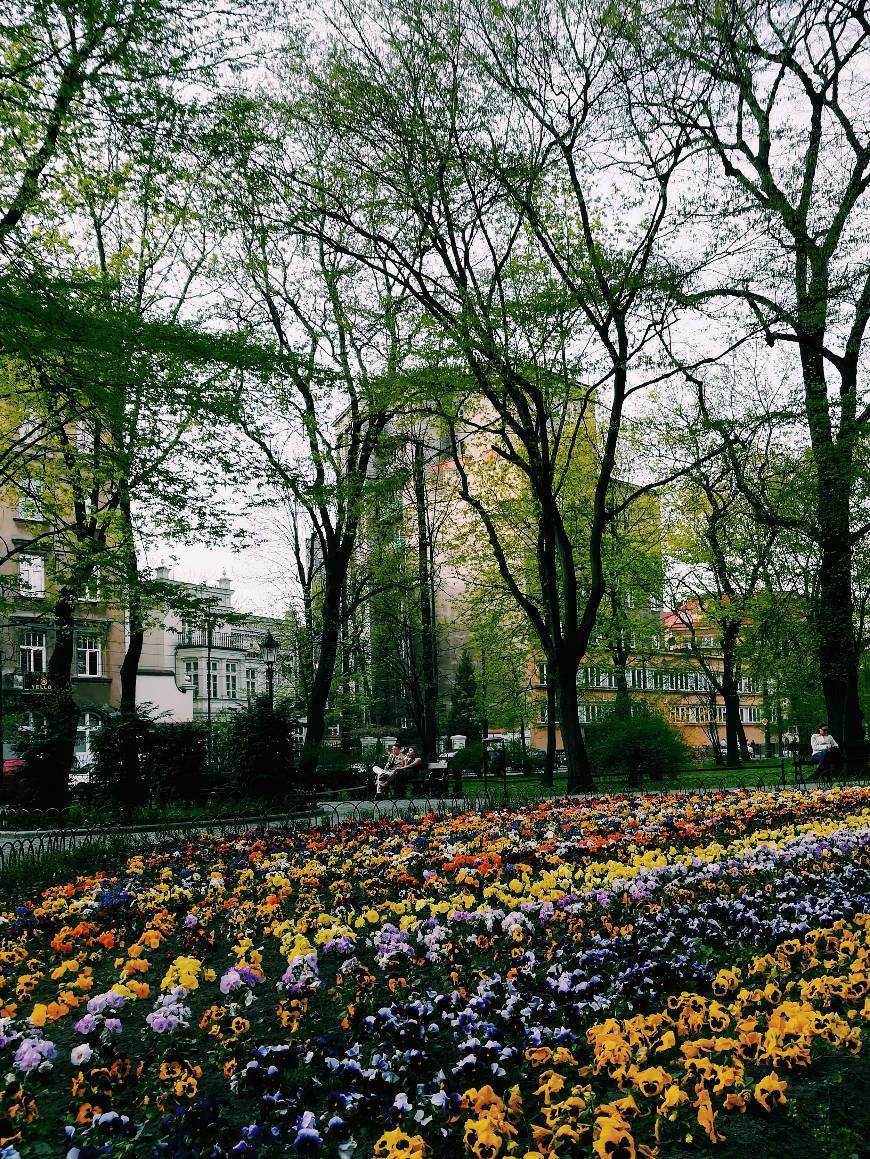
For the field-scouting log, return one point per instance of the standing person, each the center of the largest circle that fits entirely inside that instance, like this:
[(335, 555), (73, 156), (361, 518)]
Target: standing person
[(384, 774), (826, 751)]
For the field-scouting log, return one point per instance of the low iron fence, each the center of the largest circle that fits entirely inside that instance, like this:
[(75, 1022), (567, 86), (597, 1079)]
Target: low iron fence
[(30, 835)]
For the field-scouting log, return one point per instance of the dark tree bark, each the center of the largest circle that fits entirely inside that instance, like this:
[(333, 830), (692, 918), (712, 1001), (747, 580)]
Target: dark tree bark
[(62, 714), (549, 772), (799, 199), (335, 570), (429, 644), (730, 692)]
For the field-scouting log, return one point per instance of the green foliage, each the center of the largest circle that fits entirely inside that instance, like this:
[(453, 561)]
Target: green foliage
[(258, 751), (47, 751), (524, 757), (641, 746), (171, 756), (467, 760), (465, 719)]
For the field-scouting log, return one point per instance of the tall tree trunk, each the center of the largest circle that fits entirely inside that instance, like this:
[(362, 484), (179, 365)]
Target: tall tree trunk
[(132, 788), (428, 659), (838, 650), (715, 742), (62, 714), (133, 791), (743, 743), (622, 703), (579, 769), (730, 694), (552, 712), (835, 472), (335, 572)]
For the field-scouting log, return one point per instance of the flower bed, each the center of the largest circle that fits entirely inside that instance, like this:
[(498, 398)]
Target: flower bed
[(618, 977)]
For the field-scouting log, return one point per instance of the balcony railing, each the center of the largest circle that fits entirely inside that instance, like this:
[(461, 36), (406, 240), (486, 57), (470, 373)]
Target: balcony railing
[(236, 641)]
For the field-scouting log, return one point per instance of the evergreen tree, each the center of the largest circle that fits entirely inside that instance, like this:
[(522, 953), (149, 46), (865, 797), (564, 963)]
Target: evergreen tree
[(464, 719)]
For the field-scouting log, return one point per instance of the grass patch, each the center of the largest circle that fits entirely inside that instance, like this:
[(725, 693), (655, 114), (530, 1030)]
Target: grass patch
[(33, 873)]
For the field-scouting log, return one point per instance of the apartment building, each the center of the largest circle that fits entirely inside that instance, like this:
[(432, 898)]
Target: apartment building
[(27, 635), (677, 679), (207, 660)]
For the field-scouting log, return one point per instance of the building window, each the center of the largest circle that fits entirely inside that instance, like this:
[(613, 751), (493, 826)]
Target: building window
[(191, 671), (29, 499), (707, 641), (213, 679), (684, 714), (232, 676), (31, 573), (749, 714), (251, 682), (89, 723), (89, 655), (31, 651), (90, 590)]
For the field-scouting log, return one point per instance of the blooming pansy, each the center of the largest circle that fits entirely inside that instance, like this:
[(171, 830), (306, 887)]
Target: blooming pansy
[(598, 977)]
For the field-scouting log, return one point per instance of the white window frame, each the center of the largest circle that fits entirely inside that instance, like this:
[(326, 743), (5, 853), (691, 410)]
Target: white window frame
[(89, 655), (28, 503), (90, 592), (231, 679), (88, 724), (31, 644), (191, 671), (31, 573), (251, 681), (214, 679)]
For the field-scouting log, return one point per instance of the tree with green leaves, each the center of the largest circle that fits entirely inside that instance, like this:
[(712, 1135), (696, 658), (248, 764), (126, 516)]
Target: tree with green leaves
[(465, 718), (774, 96), (462, 157), (344, 330)]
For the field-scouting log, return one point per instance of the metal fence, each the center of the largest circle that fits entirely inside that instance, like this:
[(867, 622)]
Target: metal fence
[(31, 835)]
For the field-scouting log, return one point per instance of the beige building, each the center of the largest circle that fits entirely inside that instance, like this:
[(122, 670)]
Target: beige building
[(27, 632), (672, 680)]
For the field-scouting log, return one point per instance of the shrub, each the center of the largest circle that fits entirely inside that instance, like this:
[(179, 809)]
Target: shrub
[(176, 763), (259, 751), (526, 758), (172, 758), (465, 717), (467, 760), (643, 744)]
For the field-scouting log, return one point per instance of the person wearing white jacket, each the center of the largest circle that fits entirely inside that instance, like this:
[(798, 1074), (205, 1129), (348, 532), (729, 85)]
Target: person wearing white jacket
[(826, 751)]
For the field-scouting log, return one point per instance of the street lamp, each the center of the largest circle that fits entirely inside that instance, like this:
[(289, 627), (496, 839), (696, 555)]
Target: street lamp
[(269, 653), (768, 747)]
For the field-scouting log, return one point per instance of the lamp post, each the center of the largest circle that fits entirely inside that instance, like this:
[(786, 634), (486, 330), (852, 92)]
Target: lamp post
[(269, 653)]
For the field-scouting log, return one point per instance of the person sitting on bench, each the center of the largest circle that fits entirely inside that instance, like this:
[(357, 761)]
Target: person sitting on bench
[(412, 767), (826, 751), (384, 774)]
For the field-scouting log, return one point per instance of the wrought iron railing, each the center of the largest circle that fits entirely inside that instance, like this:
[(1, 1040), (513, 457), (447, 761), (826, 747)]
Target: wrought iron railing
[(30, 835)]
